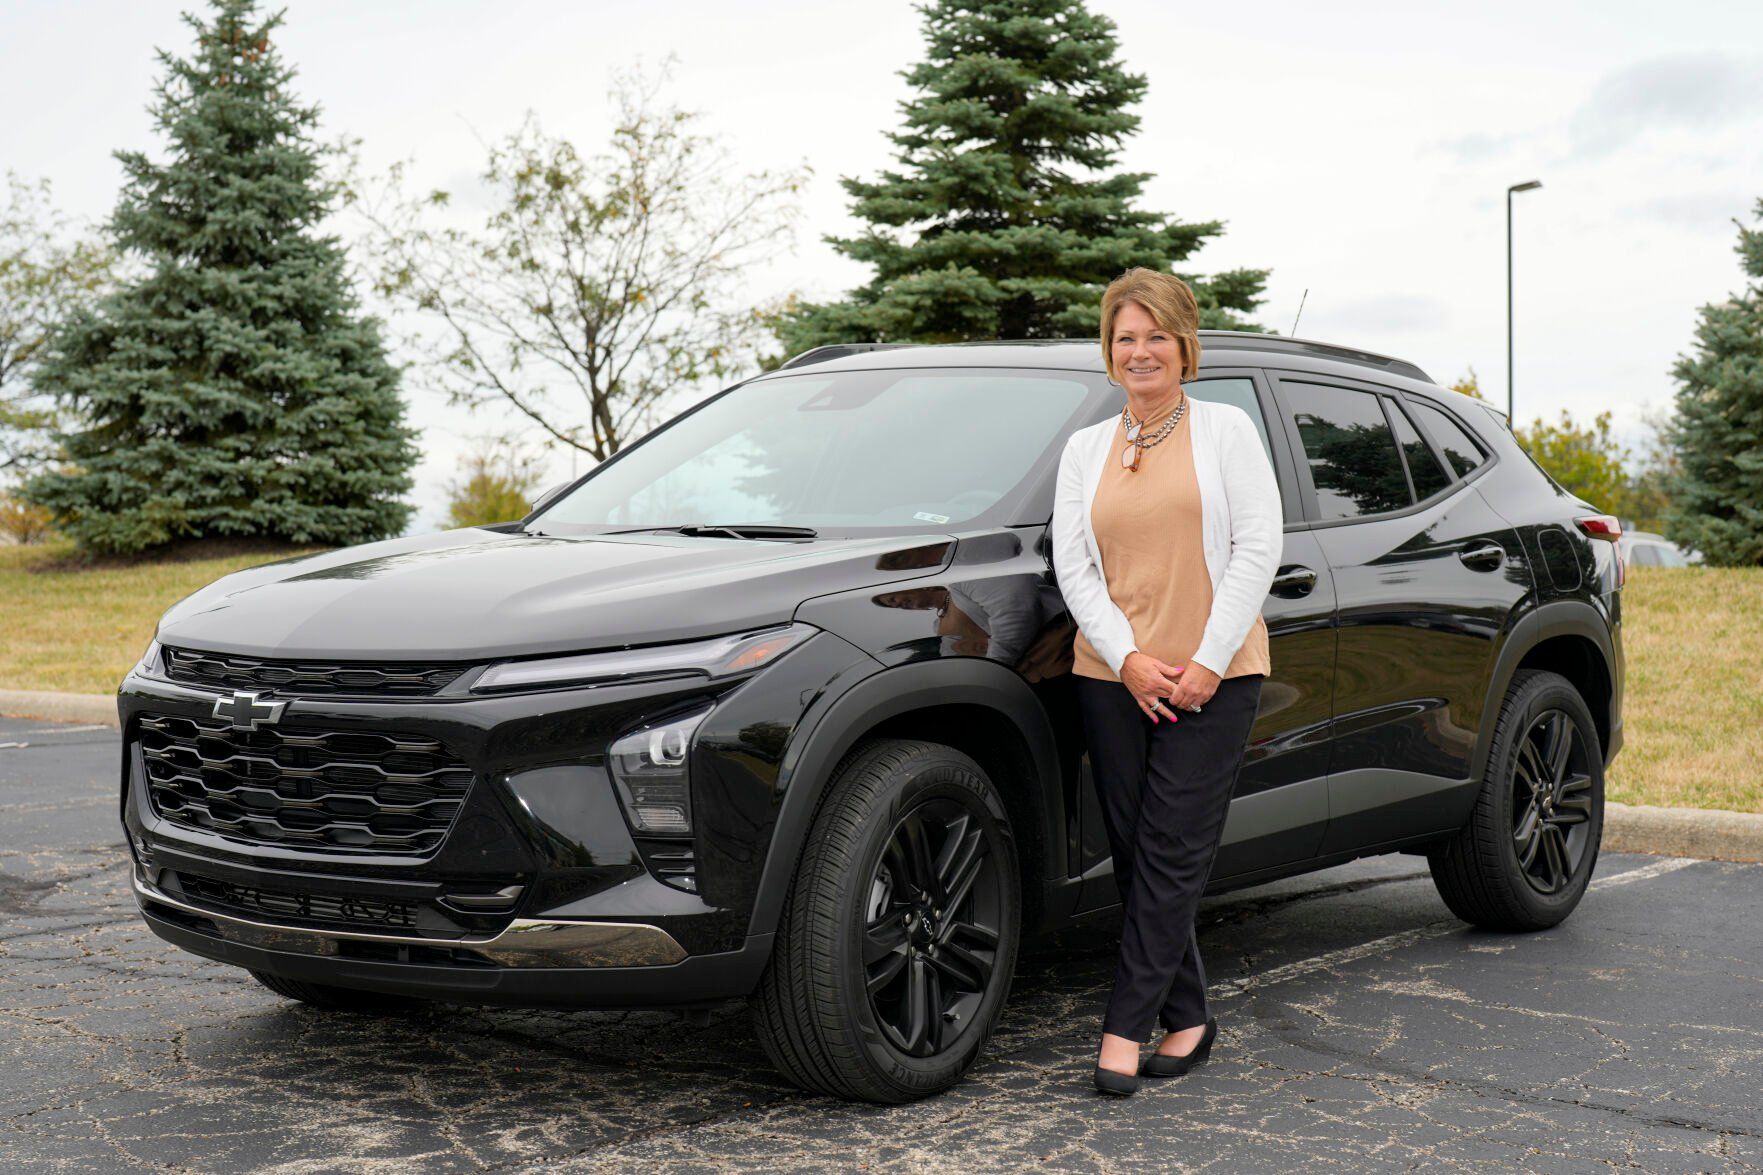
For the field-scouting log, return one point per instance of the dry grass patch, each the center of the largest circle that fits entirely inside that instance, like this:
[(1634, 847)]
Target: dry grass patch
[(70, 625), (1694, 639), (1693, 706)]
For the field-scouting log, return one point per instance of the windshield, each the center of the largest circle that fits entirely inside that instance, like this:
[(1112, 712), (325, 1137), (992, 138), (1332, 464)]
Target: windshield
[(839, 452)]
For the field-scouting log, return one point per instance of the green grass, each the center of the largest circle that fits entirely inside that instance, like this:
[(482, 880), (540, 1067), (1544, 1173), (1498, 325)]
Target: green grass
[(1693, 702), (69, 625), (1694, 639)]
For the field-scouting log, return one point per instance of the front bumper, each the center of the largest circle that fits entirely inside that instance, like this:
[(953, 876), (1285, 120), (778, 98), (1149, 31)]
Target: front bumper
[(695, 981), (524, 942), (595, 923)]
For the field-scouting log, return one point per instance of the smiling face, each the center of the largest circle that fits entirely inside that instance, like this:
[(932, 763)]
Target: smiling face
[(1147, 359)]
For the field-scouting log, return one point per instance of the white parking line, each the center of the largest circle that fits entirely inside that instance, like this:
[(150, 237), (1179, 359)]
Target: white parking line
[(1252, 983)]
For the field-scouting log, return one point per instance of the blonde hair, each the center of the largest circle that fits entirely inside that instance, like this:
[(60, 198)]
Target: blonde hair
[(1169, 302)]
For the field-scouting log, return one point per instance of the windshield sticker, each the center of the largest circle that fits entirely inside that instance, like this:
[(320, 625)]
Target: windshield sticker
[(921, 516)]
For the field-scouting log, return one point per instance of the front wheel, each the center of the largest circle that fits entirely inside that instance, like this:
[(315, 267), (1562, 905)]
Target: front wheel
[(1527, 853), (899, 935)]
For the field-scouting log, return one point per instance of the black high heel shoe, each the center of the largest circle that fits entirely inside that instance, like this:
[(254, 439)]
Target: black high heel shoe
[(1161, 1065), (1118, 1084)]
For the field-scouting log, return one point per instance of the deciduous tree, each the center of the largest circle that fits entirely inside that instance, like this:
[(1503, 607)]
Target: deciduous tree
[(1585, 459), (496, 485), (46, 271), (597, 285)]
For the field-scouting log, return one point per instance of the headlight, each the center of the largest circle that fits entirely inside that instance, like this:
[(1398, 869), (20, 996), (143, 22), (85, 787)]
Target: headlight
[(726, 656), (654, 783), (148, 665)]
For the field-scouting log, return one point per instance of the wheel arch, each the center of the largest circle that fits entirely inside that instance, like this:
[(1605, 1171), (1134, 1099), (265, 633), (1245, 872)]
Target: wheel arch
[(1577, 658), (981, 708), (1568, 637)]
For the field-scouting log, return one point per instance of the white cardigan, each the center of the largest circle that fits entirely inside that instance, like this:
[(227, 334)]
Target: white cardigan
[(1241, 526)]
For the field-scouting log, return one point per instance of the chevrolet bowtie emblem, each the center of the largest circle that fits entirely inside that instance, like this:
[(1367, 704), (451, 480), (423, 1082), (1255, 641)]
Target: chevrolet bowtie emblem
[(247, 710)]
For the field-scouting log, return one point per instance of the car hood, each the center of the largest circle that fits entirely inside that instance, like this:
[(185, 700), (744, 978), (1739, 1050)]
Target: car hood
[(475, 594)]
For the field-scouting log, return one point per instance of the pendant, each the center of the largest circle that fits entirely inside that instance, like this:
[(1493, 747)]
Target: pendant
[(1129, 458)]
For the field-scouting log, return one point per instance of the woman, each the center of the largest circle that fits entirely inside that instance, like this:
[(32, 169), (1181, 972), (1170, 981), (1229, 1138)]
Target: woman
[(1166, 535)]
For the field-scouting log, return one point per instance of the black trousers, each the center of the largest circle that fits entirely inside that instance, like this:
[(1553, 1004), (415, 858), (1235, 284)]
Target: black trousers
[(1165, 790)]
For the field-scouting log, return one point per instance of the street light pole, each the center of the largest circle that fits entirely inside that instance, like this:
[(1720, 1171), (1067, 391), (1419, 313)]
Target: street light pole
[(1523, 187)]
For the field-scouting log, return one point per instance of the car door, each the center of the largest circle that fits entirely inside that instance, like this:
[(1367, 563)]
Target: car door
[(1280, 808), (1279, 811), (1425, 573)]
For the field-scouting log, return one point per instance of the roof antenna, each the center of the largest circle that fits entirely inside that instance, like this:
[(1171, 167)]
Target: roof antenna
[(1300, 312)]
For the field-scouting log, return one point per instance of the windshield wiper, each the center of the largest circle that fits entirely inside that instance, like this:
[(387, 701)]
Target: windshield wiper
[(703, 530), (746, 531)]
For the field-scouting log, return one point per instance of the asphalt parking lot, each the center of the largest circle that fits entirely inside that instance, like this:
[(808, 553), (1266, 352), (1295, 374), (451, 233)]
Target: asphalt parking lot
[(1361, 1028)]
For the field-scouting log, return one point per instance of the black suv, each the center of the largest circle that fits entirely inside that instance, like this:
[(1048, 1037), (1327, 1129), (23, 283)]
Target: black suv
[(776, 703)]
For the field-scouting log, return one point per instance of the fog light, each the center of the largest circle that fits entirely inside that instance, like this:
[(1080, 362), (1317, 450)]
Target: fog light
[(654, 783)]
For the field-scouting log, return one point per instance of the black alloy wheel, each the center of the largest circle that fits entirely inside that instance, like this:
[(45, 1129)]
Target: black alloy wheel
[(897, 942), (1551, 802), (930, 940), (1525, 857)]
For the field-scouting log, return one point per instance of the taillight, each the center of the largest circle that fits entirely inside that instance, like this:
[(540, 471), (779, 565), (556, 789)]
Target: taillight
[(1608, 528)]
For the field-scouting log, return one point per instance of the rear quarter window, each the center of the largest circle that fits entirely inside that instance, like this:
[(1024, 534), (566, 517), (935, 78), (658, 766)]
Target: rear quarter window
[(1465, 454)]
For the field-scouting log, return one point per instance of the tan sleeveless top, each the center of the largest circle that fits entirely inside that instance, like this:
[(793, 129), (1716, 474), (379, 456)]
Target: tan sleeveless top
[(1147, 527)]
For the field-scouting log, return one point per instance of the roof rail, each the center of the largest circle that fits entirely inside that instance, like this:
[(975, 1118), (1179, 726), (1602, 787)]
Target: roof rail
[(837, 351), (1240, 340)]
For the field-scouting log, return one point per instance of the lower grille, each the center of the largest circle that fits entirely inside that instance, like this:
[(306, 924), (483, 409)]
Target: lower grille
[(671, 861), (249, 900), (301, 786)]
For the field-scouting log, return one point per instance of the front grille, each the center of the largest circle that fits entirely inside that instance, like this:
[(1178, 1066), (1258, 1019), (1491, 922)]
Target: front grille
[(398, 679), (362, 912), (301, 786)]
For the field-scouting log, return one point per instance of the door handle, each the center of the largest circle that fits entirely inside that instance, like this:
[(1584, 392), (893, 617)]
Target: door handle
[(1294, 579), (1483, 556)]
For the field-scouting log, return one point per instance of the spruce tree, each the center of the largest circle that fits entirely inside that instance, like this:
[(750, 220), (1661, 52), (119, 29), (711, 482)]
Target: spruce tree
[(1003, 220), (233, 388), (1717, 503)]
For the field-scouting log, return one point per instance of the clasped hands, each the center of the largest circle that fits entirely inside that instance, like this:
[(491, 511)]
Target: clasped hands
[(1177, 687)]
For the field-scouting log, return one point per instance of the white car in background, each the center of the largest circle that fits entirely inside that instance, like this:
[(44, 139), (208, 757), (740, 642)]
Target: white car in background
[(1642, 548)]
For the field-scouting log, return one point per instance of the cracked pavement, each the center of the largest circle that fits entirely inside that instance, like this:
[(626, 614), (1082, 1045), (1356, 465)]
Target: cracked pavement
[(1361, 1027)]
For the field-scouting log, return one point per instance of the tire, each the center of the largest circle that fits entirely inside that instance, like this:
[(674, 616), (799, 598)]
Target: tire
[(1492, 874), (855, 893), (339, 999)]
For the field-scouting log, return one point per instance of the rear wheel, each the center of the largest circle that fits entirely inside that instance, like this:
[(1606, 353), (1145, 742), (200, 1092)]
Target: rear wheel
[(339, 999), (899, 935), (1527, 854)]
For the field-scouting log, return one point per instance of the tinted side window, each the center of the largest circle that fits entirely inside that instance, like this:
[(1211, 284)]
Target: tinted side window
[(1240, 390), (1236, 390), (1429, 476), (1350, 450), (1463, 454)]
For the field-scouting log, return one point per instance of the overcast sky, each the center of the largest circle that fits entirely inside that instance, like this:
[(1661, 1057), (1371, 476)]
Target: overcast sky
[(1359, 150)]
